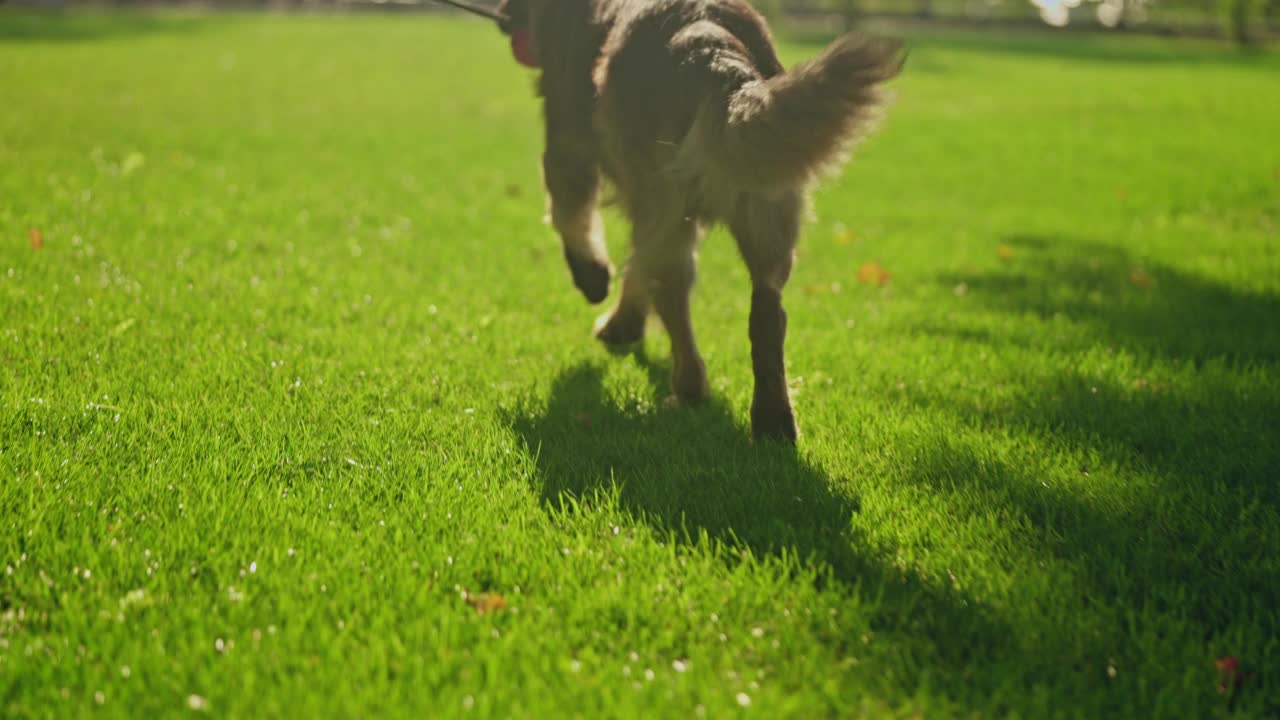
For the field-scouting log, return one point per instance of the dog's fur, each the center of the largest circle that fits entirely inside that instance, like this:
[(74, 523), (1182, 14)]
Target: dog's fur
[(684, 106)]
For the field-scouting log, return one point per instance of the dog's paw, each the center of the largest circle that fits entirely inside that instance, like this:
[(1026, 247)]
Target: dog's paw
[(675, 401), (774, 424), (590, 276), (619, 328), (689, 382)]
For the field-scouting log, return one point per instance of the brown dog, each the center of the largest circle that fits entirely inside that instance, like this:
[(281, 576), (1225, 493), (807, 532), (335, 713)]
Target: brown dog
[(684, 106)]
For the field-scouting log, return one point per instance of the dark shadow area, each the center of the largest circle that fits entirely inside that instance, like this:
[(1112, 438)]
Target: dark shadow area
[(695, 472), (687, 469), (1181, 558), (78, 25), (1195, 536), (1190, 543), (1141, 306), (1071, 46), (1215, 431), (1101, 47), (1167, 580)]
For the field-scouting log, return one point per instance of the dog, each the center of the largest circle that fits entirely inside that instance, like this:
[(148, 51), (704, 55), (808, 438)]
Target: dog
[(685, 109)]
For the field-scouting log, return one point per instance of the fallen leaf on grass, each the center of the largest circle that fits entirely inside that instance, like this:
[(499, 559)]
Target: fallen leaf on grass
[(1230, 676), (1005, 252), (583, 419), (873, 273), (1140, 279), (486, 603), (36, 237), (844, 235)]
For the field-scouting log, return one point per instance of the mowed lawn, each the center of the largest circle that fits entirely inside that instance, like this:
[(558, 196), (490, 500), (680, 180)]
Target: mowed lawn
[(291, 369)]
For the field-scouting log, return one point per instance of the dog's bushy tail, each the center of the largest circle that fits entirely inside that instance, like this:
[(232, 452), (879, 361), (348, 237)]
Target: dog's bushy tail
[(781, 132)]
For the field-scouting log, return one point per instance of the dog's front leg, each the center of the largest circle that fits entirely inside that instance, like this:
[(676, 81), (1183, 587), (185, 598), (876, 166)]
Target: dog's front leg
[(573, 181)]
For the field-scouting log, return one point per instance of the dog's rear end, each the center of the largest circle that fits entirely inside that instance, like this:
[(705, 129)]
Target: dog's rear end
[(770, 134), (685, 106)]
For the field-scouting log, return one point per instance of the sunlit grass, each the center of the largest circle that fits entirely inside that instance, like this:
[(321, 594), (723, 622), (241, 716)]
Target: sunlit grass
[(296, 366)]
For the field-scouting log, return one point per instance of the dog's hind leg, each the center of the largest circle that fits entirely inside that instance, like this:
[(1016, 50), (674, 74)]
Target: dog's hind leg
[(766, 229), (573, 181), (665, 262)]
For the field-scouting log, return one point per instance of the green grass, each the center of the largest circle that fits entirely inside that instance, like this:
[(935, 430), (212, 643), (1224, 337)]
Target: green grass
[(297, 365)]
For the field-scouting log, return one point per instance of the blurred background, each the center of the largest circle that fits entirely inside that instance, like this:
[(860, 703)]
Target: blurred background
[(1247, 22)]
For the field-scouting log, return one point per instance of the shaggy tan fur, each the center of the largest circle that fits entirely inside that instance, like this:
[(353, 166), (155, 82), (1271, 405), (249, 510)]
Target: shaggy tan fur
[(684, 106)]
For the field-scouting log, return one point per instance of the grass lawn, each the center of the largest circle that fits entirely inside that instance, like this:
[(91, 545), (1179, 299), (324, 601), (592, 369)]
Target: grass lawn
[(296, 366)]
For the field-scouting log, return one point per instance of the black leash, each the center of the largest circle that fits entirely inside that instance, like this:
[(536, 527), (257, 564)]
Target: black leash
[(476, 10)]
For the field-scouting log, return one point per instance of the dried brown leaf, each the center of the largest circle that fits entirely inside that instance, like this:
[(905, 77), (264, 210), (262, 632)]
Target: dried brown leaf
[(1140, 279), (1230, 675), (485, 603), (873, 273)]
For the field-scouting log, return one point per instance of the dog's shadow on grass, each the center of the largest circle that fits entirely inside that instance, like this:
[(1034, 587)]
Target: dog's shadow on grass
[(696, 474), (689, 470)]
